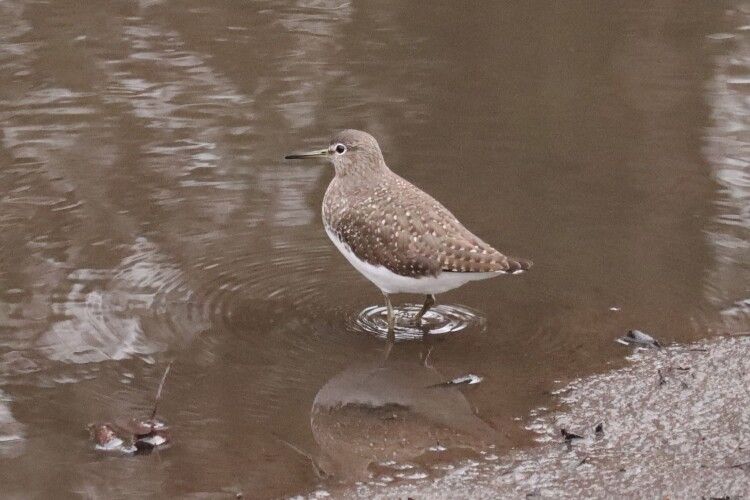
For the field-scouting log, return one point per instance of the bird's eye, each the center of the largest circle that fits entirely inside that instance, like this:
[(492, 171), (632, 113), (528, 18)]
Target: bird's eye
[(340, 149)]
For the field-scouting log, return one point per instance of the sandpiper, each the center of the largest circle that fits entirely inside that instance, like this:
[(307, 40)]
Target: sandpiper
[(395, 234)]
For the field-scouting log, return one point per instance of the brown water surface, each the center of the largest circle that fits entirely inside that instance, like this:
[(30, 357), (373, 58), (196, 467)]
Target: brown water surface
[(146, 215)]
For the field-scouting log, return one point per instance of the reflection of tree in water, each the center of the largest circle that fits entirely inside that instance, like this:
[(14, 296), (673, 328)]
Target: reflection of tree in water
[(12, 433), (144, 137), (139, 186), (726, 150)]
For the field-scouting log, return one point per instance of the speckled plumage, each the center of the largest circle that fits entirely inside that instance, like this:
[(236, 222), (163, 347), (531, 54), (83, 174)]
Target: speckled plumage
[(387, 221)]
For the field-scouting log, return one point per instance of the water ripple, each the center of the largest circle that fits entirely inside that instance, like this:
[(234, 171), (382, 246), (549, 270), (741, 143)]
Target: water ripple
[(442, 319)]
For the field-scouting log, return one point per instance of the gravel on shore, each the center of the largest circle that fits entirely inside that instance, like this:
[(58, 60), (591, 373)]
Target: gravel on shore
[(674, 423)]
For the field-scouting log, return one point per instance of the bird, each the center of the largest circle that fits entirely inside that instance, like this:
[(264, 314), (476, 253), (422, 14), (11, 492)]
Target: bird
[(396, 235)]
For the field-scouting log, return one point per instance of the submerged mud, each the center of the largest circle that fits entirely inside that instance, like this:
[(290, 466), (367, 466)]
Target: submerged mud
[(674, 423)]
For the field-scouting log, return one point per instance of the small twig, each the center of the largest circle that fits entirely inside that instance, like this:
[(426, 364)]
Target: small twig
[(662, 380), (158, 393), (316, 468), (295, 448)]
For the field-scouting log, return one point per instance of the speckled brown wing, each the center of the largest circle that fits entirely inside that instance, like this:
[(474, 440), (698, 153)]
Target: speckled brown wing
[(400, 227), (456, 248), (376, 237)]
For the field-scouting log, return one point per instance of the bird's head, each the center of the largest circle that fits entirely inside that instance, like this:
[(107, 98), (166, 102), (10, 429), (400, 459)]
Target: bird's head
[(350, 151)]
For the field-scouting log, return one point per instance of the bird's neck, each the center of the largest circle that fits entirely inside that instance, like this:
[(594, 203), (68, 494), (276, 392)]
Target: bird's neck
[(354, 185), (362, 170)]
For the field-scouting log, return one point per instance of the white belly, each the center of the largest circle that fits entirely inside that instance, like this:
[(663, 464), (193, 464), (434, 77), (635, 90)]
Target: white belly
[(390, 282)]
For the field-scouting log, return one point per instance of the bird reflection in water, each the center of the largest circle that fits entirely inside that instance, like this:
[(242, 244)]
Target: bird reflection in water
[(391, 412)]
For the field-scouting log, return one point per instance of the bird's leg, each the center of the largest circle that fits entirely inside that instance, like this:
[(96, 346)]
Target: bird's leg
[(391, 318), (426, 358), (387, 350), (429, 301)]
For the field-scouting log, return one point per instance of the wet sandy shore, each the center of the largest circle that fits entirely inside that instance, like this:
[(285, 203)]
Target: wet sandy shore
[(674, 423)]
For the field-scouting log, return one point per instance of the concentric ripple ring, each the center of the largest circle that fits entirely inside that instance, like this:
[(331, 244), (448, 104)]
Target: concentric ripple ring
[(442, 319)]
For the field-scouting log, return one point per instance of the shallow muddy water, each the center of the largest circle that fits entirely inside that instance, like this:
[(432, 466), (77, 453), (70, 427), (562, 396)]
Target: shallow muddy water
[(146, 215)]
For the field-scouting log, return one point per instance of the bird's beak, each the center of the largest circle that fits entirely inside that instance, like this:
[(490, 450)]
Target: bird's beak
[(310, 154)]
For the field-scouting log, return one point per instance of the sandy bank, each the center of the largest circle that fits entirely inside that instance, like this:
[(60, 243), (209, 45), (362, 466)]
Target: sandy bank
[(676, 423)]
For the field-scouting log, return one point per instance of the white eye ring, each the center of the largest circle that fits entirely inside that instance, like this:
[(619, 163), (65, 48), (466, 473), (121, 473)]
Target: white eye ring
[(340, 148)]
